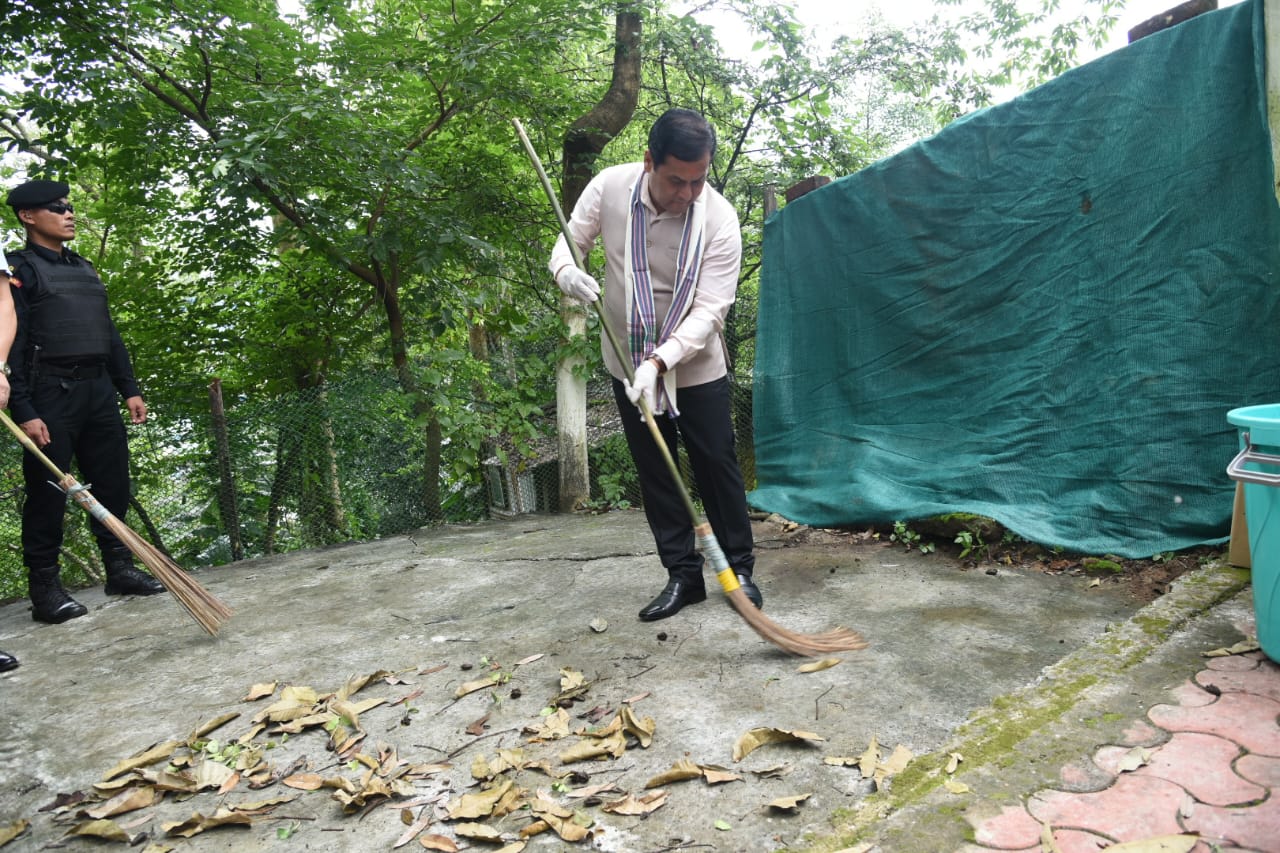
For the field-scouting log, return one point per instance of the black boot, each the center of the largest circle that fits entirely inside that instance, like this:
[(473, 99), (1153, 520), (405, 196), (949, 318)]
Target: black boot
[(124, 579), (7, 662), (49, 601)]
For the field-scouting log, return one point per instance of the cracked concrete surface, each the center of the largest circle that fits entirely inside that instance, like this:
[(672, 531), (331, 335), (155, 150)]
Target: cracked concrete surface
[(944, 641)]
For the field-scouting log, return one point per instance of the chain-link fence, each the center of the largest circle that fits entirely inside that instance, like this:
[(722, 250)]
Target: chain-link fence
[(265, 474)]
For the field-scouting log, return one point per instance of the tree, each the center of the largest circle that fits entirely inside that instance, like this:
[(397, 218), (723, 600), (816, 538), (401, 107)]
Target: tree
[(342, 124)]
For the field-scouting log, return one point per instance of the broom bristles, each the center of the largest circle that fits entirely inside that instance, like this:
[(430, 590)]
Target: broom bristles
[(806, 645), (201, 604), (207, 610)]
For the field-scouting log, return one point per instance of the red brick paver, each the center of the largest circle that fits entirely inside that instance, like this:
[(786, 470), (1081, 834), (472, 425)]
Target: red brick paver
[(1212, 769)]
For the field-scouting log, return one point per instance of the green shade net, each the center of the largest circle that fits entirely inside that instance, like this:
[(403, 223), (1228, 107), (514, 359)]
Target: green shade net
[(1040, 315)]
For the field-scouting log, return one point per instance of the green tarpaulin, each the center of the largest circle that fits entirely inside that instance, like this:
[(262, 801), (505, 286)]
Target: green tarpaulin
[(1040, 315)]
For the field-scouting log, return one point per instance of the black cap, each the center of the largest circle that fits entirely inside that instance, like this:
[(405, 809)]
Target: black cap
[(36, 194)]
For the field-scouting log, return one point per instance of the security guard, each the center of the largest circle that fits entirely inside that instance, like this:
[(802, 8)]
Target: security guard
[(68, 363)]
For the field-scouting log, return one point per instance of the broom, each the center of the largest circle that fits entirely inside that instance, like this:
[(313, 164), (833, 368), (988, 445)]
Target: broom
[(198, 601), (811, 645)]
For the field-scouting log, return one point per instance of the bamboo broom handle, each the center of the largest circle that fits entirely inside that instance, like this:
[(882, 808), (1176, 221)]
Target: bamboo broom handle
[(31, 445), (623, 356)]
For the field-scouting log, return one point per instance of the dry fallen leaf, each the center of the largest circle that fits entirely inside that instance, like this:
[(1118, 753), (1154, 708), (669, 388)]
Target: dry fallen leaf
[(614, 745), (758, 737), (955, 787), (1134, 758), (147, 757), (633, 805), (304, 781), (1238, 649), (416, 827), (842, 760), (716, 775), (130, 799), (681, 771), (530, 659), (212, 725), (818, 665), (789, 804), (894, 764), (108, 830), (473, 686), (953, 762), (480, 804), (260, 691), (477, 831), (641, 727), (198, 823), (591, 791), (13, 830), (438, 842), (1047, 842), (870, 759)]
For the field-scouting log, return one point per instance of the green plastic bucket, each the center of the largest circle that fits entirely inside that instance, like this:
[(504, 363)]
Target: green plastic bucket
[(1257, 465)]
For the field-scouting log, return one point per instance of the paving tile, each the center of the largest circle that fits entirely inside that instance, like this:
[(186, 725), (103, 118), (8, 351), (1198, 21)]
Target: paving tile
[(1201, 764), (1142, 733), (1079, 841), (1135, 807), (1012, 829), (1083, 776), (1261, 770), (1250, 721), (1233, 663), (1192, 695), (1258, 681), (1253, 827)]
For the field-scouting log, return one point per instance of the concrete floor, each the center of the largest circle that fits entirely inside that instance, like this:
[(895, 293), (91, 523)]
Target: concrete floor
[(442, 607)]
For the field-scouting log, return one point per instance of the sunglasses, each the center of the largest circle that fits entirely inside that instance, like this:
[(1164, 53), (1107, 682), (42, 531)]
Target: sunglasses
[(59, 208)]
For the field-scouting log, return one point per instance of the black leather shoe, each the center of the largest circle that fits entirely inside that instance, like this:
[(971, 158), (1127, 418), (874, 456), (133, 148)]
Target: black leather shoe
[(752, 591), (674, 595), (127, 580), (7, 662)]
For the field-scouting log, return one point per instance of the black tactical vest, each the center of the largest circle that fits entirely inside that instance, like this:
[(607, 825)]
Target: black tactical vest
[(68, 317)]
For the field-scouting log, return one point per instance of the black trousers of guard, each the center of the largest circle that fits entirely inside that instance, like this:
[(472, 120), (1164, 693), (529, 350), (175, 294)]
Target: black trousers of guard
[(705, 426), (83, 417)]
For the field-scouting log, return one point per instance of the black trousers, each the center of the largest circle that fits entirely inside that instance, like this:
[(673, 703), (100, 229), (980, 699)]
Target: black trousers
[(705, 426), (83, 416)]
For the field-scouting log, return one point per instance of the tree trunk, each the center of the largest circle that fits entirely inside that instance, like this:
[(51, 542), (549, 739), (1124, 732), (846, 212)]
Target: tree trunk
[(583, 144), (227, 509), (423, 411)]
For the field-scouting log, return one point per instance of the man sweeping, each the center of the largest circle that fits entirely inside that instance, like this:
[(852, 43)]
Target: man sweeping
[(672, 255), (68, 364)]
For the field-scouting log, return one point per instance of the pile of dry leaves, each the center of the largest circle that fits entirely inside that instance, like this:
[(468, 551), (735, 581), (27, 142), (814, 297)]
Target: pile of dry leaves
[(502, 797)]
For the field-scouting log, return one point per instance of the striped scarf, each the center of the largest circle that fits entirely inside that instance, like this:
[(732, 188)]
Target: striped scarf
[(643, 332)]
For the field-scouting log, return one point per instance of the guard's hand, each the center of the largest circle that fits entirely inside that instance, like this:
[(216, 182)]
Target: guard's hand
[(645, 384), (137, 409), (36, 431), (574, 282), (4, 390)]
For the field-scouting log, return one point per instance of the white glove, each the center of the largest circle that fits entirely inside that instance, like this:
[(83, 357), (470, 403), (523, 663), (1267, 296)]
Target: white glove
[(645, 384), (574, 282)]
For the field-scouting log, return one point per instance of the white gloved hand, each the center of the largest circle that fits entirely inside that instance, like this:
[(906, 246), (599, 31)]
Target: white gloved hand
[(574, 282), (645, 384)]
